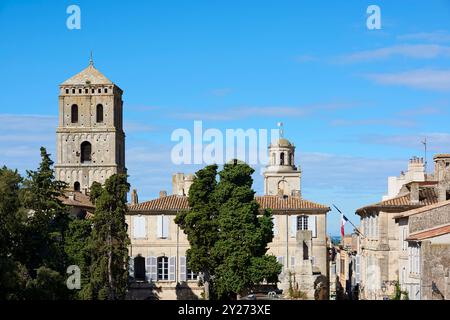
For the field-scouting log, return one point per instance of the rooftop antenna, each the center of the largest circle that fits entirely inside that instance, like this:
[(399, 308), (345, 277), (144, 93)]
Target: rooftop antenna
[(91, 60), (281, 129), (424, 142)]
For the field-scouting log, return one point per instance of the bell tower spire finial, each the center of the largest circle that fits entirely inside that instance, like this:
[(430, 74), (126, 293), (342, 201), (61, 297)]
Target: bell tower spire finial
[(91, 60)]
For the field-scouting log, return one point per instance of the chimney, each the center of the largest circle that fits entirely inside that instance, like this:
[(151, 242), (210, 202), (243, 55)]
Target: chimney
[(414, 193), (162, 194), (134, 197), (296, 193)]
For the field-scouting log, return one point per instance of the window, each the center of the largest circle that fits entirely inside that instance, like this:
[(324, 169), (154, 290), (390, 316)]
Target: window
[(162, 227), (282, 159), (404, 242), (139, 227), (163, 268), (302, 223), (74, 113), (86, 152), (106, 90), (99, 90), (99, 113), (139, 268), (86, 90), (73, 91), (190, 275), (80, 91), (67, 91), (93, 90), (76, 186)]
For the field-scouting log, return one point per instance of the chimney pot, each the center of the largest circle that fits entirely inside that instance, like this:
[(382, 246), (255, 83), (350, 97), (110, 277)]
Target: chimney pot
[(162, 194)]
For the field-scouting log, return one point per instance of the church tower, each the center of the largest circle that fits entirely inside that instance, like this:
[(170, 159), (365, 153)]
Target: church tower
[(281, 176), (90, 138)]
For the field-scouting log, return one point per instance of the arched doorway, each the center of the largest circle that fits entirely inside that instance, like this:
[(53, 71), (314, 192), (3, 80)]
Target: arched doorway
[(86, 149)]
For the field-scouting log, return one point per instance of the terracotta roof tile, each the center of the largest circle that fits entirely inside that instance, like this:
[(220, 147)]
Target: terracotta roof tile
[(175, 202), (430, 233), (422, 209), (427, 196), (77, 199)]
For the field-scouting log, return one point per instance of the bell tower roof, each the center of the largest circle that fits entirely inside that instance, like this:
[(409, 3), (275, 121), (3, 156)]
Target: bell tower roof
[(90, 75), (282, 142)]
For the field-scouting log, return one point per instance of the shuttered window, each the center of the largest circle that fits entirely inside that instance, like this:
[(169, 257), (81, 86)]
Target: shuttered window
[(139, 227), (162, 227)]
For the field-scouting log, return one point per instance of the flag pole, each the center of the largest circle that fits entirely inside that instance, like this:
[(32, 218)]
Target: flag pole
[(357, 230)]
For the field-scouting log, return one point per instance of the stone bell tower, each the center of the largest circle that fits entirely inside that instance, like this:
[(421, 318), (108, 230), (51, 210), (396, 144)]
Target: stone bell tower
[(281, 176), (90, 138)]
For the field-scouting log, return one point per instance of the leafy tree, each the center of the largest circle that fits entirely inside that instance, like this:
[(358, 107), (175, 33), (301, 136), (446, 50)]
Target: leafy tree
[(78, 249), (243, 236), (109, 241), (13, 275), (200, 225), (43, 241), (48, 285)]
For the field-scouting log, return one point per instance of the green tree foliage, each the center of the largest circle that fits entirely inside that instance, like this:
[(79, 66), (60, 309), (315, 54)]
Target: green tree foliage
[(227, 234), (43, 239), (109, 242), (13, 275), (78, 249), (243, 236), (200, 224)]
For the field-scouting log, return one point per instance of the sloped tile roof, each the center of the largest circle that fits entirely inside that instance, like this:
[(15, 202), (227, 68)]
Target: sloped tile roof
[(89, 75), (430, 233), (288, 203), (427, 196), (77, 199), (423, 209), (175, 202)]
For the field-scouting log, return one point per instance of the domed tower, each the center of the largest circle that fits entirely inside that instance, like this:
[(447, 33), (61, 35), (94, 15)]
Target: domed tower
[(90, 137), (281, 176)]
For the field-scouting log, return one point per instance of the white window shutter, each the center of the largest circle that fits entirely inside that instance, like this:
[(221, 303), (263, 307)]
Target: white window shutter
[(165, 227), (293, 226), (131, 266), (292, 261), (183, 268), (358, 268), (275, 226), (139, 227), (159, 226), (281, 260), (172, 265), (312, 225), (151, 269)]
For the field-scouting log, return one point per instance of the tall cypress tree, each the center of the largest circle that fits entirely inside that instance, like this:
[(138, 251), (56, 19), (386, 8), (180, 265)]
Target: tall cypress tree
[(109, 241), (200, 225), (47, 218), (243, 234)]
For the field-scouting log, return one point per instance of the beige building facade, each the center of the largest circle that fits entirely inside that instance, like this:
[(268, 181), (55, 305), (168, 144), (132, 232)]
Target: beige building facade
[(299, 243)]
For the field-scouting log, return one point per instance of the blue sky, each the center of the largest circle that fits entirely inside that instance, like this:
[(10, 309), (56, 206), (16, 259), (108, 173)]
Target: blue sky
[(355, 102)]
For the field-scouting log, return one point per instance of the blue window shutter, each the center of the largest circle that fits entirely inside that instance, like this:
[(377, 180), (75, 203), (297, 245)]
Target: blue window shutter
[(172, 265), (183, 268), (131, 266)]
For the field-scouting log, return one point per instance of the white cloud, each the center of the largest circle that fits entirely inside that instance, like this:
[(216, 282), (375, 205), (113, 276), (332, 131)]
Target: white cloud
[(435, 36), (438, 80), (438, 142), (416, 51), (266, 111)]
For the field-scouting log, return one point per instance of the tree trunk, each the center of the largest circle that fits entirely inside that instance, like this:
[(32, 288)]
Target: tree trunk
[(110, 277)]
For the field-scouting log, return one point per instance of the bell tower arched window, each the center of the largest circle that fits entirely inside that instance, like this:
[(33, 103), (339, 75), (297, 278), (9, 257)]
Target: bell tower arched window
[(86, 149), (99, 113), (76, 186), (74, 113), (282, 159)]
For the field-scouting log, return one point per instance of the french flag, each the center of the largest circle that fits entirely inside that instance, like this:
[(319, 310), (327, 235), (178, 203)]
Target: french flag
[(343, 221)]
